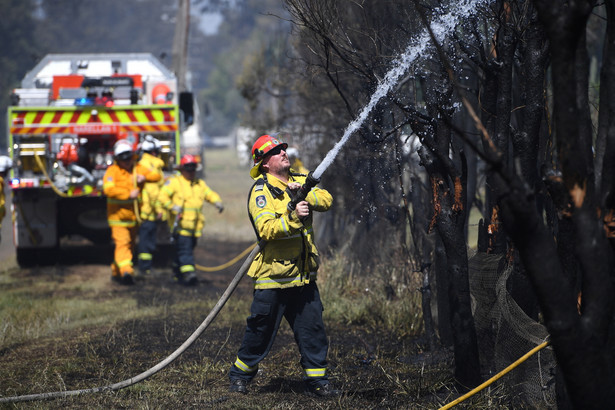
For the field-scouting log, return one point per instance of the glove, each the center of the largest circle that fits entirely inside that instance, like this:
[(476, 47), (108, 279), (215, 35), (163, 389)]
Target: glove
[(219, 206), (176, 209)]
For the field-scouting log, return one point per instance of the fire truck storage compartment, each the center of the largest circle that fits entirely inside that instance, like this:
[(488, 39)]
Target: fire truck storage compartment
[(27, 147), (35, 218)]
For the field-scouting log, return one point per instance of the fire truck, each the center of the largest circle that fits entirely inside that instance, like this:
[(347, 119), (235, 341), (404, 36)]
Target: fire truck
[(62, 125)]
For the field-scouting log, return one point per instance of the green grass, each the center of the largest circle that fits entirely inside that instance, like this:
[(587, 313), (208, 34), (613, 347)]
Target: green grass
[(364, 300)]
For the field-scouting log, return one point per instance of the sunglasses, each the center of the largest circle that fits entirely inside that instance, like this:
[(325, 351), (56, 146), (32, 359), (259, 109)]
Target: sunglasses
[(190, 167), (126, 156), (275, 151)]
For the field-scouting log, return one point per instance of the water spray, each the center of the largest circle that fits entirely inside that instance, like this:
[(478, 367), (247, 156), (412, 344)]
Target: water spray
[(441, 27)]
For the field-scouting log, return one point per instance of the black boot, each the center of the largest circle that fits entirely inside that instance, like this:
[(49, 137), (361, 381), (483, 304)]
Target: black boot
[(323, 389), (238, 386), (190, 279)]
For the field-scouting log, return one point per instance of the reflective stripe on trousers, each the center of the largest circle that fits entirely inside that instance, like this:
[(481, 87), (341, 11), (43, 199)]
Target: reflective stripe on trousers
[(147, 244), (184, 254), (302, 308)]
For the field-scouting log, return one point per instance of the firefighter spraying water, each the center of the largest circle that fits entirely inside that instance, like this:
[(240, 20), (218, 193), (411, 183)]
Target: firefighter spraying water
[(284, 272)]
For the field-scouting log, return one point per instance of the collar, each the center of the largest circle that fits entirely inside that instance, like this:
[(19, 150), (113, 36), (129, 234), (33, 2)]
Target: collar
[(276, 186), (276, 182), (185, 180)]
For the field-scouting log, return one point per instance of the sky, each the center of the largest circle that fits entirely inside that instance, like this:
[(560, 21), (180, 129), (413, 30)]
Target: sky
[(209, 23)]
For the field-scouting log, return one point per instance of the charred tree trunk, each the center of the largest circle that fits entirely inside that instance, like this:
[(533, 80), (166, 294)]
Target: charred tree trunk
[(579, 337), (526, 139), (445, 328), (423, 247), (607, 115), (499, 79), (448, 185)]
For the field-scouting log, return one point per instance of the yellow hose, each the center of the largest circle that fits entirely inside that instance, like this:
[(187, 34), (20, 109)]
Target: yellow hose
[(43, 168), (55, 189), (135, 202), (496, 377), (227, 264)]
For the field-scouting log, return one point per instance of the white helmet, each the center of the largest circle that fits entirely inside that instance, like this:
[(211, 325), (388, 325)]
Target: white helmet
[(122, 147), (150, 144), (5, 163)]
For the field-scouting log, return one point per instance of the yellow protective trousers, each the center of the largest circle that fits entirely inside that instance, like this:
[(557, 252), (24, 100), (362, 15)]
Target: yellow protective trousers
[(124, 239)]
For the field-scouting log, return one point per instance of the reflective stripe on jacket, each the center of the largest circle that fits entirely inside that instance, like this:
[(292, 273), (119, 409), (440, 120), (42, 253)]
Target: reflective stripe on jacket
[(190, 197), (117, 184), (290, 257), (150, 207)]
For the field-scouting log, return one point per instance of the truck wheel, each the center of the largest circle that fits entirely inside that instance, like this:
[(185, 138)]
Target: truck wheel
[(28, 257)]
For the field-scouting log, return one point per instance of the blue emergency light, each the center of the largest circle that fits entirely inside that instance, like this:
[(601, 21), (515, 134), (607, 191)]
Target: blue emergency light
[(84, 101)]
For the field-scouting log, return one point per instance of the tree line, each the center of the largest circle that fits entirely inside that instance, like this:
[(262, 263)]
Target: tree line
[(33, 28)]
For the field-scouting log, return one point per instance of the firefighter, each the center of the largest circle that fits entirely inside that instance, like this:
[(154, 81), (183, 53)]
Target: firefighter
[(122, 185), (151, 212), (284, 271), (5, 165), (184, 195)]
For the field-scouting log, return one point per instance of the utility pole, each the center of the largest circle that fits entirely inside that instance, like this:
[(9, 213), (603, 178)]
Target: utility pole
[(180, 44), (191, 134)]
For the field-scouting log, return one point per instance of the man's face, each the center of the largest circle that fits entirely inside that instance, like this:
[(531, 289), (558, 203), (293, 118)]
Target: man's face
[(189, 171), (125, 160), (276, 161)]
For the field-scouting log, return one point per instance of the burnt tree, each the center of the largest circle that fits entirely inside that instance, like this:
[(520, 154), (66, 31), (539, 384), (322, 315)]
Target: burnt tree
[(580, 333), (448, 182)]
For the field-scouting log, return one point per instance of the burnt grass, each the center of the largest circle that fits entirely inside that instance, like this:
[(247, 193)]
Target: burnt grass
[(375, 368)]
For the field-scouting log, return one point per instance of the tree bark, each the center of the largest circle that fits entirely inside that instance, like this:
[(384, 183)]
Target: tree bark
[(449, 201)]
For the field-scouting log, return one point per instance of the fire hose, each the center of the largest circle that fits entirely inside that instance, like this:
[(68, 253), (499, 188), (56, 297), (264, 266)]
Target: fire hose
[(496, 377), (53, 186), (227, 264), (299, 196)]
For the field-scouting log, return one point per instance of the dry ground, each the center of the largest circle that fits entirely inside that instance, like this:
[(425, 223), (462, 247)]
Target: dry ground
[(375, 369)]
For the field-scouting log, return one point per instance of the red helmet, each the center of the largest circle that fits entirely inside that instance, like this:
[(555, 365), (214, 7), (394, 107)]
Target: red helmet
[(261, 147), (188, 159)]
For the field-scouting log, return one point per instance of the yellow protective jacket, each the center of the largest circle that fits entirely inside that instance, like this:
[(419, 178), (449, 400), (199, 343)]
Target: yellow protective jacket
[(190, 196), (117, 184), (290, 257), (150, 205)]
